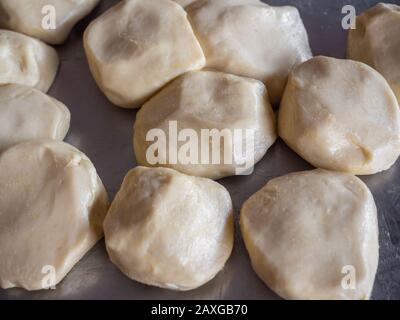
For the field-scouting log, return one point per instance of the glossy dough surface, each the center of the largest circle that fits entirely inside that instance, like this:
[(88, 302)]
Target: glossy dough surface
[(52, 205), (376, 42), (304, 230), (169, 230), (138, 46), (26, 16), (209, 100), (341, 115), (27, 113), (251, 39), (25, 60)]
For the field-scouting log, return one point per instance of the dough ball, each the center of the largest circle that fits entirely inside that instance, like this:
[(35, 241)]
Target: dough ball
[(341, 115), (138, 46), (52, 205), (376, 42), (25, 60), (169, 230), (27, 17), (206, 100), (313, 235), (27, 113), (251, 39)]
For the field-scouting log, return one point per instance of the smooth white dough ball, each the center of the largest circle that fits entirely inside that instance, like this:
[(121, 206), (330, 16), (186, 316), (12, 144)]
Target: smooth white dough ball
[(52, 206), (27, 114), (35, 18), (168, 229), (252, 39), (313, 235), (341, 115), (207, 100), (138, 46), (376, 42), (27, 61)]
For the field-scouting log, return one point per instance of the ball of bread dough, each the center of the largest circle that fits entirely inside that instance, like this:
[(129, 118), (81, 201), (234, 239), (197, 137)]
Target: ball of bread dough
[(25, 60), (376, 42), (200, 101), (28, 17), (168, 229), (313, 235), (341, 115), (138, 46), (251, 39), (52, 205), (27, 113)]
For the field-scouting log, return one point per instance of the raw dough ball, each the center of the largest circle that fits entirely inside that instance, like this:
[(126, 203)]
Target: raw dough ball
[(169, 230), (138, 46), (306, 231), (52, 205), (27, 114), (25, 60), (202, 100), (27, 17), (251, 39), (341, 115), (376, 42)]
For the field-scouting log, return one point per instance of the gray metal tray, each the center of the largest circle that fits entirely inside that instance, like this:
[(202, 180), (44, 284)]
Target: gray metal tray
[(104, 133)]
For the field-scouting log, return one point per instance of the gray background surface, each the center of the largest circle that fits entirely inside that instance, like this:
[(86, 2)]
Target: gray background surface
[(104, 133)]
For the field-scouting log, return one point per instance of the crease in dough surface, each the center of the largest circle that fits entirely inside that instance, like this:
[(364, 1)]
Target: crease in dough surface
[(185, 3)]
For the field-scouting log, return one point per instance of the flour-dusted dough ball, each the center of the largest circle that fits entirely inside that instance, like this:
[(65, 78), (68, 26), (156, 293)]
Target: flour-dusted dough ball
[(168, 229), (313, 235), (138, 46), (25, 60), (341, 115), (29, 16), (52, 206), (206, 100), (376, 42), (27, 113), (251, 39)]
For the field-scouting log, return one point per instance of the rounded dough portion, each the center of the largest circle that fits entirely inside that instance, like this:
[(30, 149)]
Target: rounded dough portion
[(138, 46), (27, 61), (28, 114), (341, 115), (169, 230), (302, 230), (376, 42), (251, 39), (27, 16), (206, 100), (52, 205)]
